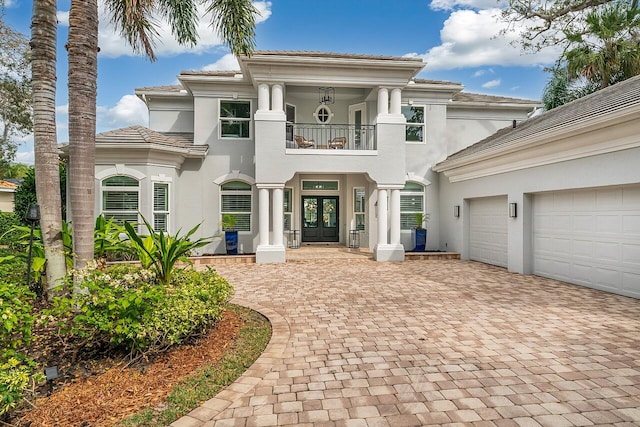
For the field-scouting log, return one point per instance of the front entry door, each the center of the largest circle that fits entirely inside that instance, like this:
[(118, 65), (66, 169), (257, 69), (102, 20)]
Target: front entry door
[(320, 219)]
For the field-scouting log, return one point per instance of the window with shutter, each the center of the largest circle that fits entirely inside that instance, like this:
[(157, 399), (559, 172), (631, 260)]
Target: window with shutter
[(235, 200), (121, 198), (411, 203), (160, 206)]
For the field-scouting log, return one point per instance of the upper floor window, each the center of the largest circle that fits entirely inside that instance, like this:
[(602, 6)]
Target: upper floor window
[(415, 122), (235, 119), (411, 203), (235, 200), (323, 114), (121, 198)]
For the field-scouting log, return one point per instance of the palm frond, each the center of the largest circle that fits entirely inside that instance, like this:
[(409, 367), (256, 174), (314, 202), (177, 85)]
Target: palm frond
[(234, 20)]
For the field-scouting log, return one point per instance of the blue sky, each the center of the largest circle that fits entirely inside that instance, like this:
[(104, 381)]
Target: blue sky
[(458, 39)]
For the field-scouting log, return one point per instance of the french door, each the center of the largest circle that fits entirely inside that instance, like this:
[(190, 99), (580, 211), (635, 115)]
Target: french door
[(320, 219)]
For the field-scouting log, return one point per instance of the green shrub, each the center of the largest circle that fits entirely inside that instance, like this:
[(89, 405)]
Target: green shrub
[(126, 306), (7, 221), (16, 375), (16, 321)]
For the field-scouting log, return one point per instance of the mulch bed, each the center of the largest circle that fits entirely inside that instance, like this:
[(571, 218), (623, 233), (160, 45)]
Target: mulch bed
[(122, 390)]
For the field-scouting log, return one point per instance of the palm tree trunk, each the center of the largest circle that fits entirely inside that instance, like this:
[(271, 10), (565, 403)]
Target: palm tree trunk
[(83, 75), (43, 45)]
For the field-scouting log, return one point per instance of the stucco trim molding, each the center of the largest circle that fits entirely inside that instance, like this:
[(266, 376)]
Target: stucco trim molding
[(120, 169), (417, 178), (234, 176)]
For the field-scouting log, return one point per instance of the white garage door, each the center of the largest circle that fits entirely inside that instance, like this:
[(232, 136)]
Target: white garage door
[(488, 230), (589, 237)]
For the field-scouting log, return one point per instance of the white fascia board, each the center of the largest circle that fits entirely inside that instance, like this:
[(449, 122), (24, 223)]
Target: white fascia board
[(495, 105), (575, 140)]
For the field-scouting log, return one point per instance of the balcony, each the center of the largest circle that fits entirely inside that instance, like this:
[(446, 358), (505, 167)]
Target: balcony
[(308, 136)]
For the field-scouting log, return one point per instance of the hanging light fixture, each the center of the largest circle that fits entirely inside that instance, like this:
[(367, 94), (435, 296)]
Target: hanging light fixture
[(327, 95)]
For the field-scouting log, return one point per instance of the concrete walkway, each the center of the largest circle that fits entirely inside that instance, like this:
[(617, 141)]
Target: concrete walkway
[(361, 343)]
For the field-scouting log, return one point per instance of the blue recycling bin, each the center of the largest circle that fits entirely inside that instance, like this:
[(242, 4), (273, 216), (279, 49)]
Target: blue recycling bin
[(231, 241)]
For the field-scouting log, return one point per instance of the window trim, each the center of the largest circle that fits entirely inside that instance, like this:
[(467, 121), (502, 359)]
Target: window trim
[(302, 181), (249, 119), (423, 125), (248, 192), (122, 188), (329, 116), (422, 193)]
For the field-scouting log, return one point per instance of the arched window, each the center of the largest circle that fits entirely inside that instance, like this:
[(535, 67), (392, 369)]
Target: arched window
[(411, 203), (121, 198), (235, 200)]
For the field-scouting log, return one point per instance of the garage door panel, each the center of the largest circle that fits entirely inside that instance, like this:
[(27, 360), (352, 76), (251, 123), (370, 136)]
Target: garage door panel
[(488, 230), (631, 224), (589, 237)]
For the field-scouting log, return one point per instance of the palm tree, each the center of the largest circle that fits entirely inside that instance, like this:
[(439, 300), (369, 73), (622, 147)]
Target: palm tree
[(233, 19), (43, 66), (608, 51)]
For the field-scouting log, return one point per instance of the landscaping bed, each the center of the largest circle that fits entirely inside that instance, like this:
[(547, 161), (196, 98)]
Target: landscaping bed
[(104, 390)]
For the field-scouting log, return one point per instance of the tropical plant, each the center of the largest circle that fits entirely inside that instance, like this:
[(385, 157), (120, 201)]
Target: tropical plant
[(162, 249), (106, 237), (43, 71), (228, 222), (421, 219), (607, 50)]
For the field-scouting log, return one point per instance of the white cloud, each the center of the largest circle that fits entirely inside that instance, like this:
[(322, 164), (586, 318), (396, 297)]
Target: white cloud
[(63, 18), (464, 4), (483, 72), (113, 45), (27, 157), (10, 3), (492, 83), (129, 111), (62, 109), (472, 39), (227, 63)]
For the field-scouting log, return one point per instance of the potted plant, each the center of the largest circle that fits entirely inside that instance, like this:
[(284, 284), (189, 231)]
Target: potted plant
[(420, 233), (228, 225)]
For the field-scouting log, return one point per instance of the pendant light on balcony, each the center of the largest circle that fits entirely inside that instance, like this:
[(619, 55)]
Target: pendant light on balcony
[(327, 95)]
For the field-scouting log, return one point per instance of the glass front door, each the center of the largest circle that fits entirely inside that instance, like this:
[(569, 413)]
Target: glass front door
[(320, 219)]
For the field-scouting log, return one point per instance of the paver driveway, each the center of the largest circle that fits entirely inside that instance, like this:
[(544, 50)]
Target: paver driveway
[(362, 343)]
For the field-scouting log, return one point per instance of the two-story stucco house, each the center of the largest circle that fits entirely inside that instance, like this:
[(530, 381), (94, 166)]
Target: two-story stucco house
[(324, 145)]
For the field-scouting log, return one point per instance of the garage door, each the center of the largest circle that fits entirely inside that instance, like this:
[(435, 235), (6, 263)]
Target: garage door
[(589, 237), (488, 230)]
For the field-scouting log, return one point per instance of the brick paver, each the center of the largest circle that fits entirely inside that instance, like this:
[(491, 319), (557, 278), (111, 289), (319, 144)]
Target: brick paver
[(430, 342)]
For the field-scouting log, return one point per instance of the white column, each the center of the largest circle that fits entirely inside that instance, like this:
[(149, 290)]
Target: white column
[(278, 217), (277, 98), (263, 212), (383, 100), (382, 217), (396, 101), (395, 217), (263, 97)]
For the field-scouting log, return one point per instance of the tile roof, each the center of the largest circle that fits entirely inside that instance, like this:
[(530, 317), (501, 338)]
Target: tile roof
[(479, 97), (140, 135), (583, 110), (8, 185), (169, 88), (217, 73), (435, 82), (314, 54)]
